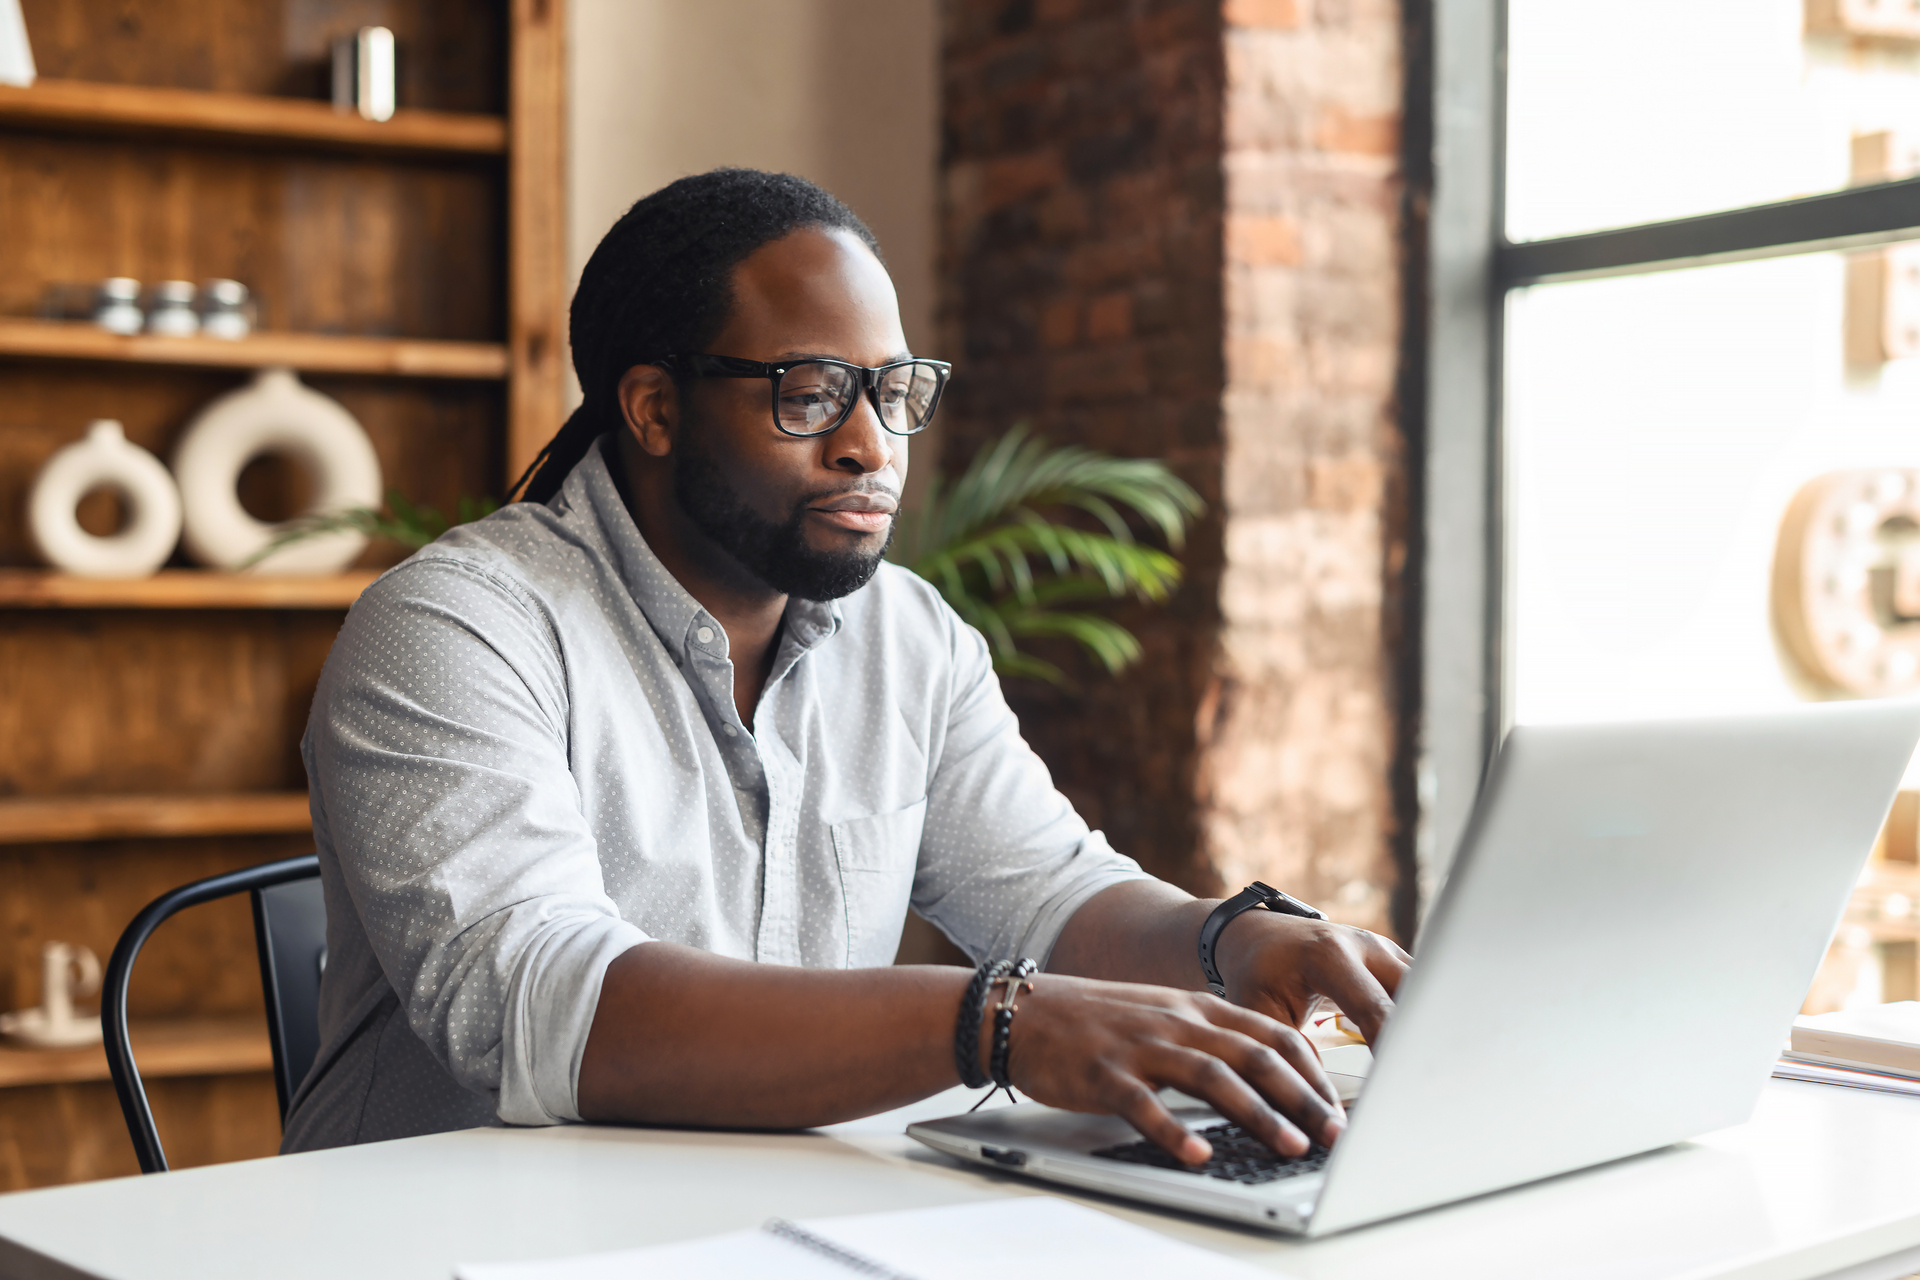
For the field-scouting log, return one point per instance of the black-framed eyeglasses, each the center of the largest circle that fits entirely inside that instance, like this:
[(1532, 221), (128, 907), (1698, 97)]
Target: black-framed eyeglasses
[(812, 397)]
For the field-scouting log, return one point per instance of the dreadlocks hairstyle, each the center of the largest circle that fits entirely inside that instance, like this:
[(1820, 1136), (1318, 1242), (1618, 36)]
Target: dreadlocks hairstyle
[(661, 284)]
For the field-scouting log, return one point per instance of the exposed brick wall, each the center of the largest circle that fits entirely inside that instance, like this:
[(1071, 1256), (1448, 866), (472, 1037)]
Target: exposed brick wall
[(1297, 758), (1169, 229), (1082, 293)]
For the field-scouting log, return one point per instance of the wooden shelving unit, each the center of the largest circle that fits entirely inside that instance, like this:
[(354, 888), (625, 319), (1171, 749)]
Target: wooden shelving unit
[(149, 729), (125, 110), (307, 352), (50, 819), (182, 589), (161, 1048)]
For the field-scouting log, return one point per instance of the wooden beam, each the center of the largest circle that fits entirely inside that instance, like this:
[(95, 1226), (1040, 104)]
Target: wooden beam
[(536, 243), (75, 106)]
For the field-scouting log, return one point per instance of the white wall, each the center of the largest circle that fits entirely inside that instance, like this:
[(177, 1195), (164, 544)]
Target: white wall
[(844, 92)]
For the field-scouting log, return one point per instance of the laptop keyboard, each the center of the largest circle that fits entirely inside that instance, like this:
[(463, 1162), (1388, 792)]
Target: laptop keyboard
[(1238, 1156)]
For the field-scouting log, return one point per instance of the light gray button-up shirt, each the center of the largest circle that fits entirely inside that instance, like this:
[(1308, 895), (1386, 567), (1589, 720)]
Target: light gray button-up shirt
[(525, 759)]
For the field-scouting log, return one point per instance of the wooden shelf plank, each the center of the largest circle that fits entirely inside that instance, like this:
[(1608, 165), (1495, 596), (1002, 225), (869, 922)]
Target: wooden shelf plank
[(170, 1047), (308, 352), (88, 107), (46, 819), (182, 589)]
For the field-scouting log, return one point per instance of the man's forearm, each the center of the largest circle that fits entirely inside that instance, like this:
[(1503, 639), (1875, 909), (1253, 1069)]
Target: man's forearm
[(1139, 931), (684, 1037)]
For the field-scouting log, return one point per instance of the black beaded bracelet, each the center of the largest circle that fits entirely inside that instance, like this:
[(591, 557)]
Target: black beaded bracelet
[(1019, 975), (966, 1032)]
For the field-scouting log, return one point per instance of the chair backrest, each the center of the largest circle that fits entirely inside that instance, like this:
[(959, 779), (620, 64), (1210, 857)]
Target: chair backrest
[(290, 928)]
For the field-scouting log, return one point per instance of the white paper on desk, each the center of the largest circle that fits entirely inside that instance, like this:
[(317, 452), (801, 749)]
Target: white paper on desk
[(1819, 1073), (1021, 1238)]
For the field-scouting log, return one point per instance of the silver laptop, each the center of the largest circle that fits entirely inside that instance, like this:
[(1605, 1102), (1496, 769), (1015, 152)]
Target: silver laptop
[(1632, 920)]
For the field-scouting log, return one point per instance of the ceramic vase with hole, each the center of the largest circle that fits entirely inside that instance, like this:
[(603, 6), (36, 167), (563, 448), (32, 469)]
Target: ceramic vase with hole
[(275, 414), (106, 459)]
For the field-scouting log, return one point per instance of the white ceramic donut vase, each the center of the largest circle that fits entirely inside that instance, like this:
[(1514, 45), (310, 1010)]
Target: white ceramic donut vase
[(276, 413), (106, 459)]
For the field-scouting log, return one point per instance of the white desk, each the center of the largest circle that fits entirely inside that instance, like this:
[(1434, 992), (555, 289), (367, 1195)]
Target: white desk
[(1822, 1182)]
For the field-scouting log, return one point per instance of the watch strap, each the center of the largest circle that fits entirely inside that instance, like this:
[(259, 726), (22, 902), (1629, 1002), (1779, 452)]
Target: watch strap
[(1254, 895)]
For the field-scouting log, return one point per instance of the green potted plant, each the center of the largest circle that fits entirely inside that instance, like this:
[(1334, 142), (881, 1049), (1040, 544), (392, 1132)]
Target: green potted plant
[(992, 543)]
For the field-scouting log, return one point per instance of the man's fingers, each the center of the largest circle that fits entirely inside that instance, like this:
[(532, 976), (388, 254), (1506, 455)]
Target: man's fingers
[(1386, 962), (1141, 1107), (1213, 1080), (1293, 1048), (1313, 1108), (1360, 996), (1300, 1054)]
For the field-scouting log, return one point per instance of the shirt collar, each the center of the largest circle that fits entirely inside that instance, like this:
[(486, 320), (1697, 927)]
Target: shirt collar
[(590, 495)]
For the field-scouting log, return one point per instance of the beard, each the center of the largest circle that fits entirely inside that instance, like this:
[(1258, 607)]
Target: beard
[(775, 553)]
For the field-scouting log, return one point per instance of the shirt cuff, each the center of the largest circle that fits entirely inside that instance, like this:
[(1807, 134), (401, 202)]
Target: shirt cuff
[(1110, 868), (550, 1008)]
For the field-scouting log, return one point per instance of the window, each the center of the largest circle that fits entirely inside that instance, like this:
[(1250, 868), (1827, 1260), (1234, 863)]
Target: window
[(1639, 111), (1675, 361)]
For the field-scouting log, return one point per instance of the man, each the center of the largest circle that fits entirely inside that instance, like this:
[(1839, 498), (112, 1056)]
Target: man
[(622, 794)]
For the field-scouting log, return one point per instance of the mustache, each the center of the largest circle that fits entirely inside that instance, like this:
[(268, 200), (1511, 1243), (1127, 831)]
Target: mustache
[(890, 489)]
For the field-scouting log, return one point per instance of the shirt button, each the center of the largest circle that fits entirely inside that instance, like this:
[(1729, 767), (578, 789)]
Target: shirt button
[(728, 729), (704, 635)]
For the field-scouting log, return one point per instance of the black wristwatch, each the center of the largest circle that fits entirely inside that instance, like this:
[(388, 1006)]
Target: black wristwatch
[(1254, 895)]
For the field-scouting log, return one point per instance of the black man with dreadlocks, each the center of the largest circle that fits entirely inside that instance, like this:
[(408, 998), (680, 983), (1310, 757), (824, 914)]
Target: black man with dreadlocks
[(622, 794)]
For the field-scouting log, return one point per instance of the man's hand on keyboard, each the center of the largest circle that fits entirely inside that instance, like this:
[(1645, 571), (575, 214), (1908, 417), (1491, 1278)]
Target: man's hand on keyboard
[(1089, 1045), (1281, 965)]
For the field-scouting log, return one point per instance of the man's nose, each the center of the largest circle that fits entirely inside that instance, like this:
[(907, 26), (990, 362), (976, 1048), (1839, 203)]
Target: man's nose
[(860, 444)]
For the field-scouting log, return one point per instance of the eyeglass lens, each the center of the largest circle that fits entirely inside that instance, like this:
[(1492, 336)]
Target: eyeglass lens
[(815, 397)]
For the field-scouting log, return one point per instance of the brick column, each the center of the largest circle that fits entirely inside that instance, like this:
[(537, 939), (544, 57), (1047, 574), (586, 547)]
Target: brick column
[(1171, 229), (1297, 742)]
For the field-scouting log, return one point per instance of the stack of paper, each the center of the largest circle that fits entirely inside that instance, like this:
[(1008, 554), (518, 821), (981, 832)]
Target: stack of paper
[(1024, 1238), (1876, 1047)]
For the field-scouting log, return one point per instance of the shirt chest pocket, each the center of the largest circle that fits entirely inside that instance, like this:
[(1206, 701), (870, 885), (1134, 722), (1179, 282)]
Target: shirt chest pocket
[(877, 856)]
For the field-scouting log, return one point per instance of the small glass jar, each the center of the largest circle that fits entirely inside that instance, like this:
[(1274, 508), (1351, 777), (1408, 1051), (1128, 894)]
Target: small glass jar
[(226, 309), (171, 313), (116, 305)]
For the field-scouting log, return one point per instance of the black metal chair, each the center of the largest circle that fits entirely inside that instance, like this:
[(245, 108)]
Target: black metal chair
[(290, 929)]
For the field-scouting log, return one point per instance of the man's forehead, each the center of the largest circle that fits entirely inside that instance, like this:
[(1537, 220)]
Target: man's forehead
[(816, 292)]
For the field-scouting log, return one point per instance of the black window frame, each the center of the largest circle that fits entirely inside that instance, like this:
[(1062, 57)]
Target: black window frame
[(1471, 268)]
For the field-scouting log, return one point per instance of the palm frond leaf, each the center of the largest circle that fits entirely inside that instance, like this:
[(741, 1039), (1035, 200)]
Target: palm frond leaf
[(412, 525), (989, 543)]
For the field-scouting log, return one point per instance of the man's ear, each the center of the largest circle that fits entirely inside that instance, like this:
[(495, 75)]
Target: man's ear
[(650, 403)]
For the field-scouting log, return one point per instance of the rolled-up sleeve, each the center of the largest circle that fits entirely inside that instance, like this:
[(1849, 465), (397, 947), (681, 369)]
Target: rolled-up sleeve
[(1005, 860), (438, 753)]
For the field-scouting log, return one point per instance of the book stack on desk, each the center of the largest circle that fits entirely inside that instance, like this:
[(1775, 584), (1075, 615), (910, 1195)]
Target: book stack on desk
[(1876, 1047)]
